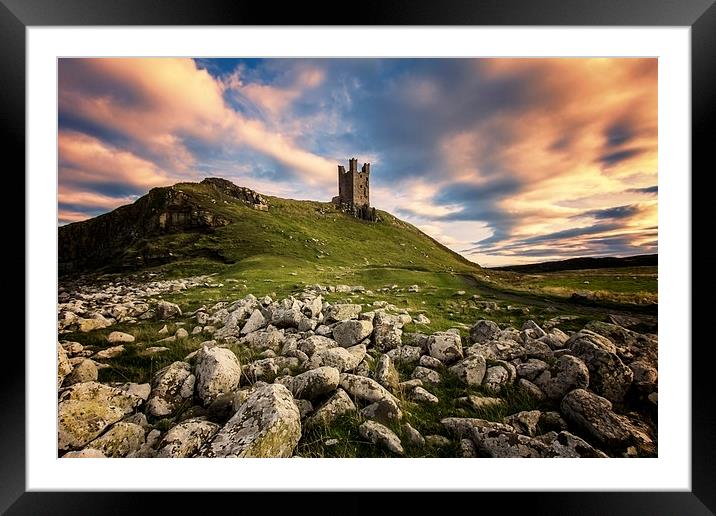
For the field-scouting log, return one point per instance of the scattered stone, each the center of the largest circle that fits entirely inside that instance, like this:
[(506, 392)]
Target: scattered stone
[(84, 371), (483, 331), (608, 376), (385, 411), (568, 373), (365, 389), (382, 435), (445, 346), (480, 402), (118, 336), (387, 333), (406, 355), (422, 396), (594, 414), (386, 374), (181, 333), (431, 362), (120, 440), (412, 436), (471, 370), (63, 365), (268, 424), (524, 422), (350, 333), (186, 438), (336, 406), (217, 371), (87, 453), (315, 383), (426, 375), (495, 378), (167, 310), (341, 312), (112, 352), (171, 388)]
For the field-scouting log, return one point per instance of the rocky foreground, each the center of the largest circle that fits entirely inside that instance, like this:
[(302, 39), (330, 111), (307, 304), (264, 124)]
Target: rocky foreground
[(315, 363)]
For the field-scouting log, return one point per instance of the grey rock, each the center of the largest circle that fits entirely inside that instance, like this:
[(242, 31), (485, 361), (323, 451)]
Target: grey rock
[(445, 346), (218, 371), (118, 336), (406, 355), (381, 435), (483, 331), (524, 422), (495, 378), (471, 370), (350, 333), (167, 310), (608, 376), (386, 374), (186, 438), (568, 373), (412, 436), (171, 388), (342, 312), (315, 383), (337, 405), (120, 440), (422, 396), (594, 415), (268, 424), (387, 332)]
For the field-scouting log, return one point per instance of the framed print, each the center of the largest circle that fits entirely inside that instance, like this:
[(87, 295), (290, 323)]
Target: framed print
[(424, 251)]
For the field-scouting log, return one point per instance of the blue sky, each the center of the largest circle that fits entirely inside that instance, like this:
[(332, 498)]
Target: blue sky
[(504, 160)]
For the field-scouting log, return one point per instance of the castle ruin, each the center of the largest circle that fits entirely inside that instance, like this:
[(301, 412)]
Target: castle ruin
[(354, 190)]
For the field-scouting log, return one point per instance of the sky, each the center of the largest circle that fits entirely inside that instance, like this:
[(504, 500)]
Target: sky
[(506, 161)]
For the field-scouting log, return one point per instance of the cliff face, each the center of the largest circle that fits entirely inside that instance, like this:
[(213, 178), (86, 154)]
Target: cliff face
[(97, 242)]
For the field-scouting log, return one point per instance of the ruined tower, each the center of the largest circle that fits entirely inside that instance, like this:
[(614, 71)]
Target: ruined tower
[(354, 190)]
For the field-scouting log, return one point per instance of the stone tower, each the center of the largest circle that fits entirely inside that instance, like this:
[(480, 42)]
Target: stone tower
[(354, 190)]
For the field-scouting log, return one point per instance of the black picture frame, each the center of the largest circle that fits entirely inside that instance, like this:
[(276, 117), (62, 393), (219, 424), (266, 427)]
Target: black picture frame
[(17, 15)]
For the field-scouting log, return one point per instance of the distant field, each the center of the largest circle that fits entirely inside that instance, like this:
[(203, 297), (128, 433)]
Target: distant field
[(637, 285)]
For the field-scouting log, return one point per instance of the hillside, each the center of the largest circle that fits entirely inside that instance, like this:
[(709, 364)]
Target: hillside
[(573, 264), (215, 225)]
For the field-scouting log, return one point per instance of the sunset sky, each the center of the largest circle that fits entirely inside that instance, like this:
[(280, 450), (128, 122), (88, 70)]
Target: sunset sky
[(506, 161)]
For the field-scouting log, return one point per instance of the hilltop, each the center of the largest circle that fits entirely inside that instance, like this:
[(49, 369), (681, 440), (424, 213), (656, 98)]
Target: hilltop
[(214, 223), (583, 263)]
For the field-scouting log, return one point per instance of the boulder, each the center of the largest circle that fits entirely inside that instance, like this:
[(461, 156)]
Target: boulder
[(167, 310), (268, 424), (341, 312), (568, 373), (385, 411), (336, 406), (406, 355), (471, 370), (171, 388), (608, 376), (381, 435), (343, 359), (426, 375), (119, 337), (314, 343), (594, 415), (495, 378), (531, 369), (445, 346), (483, 331), (422, 396), (87, 409), (524, 422), (350, 333), (264, 370), (365, 389), (387, 332), (84, 371), (218, 371), (315, 383), (386, 374), (63, 365), (120, 440), (186, 438), (255, 322)]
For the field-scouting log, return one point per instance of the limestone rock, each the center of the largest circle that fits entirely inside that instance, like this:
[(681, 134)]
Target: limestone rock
[(264, 370), (387, 332), (341, 312), (412, 436), (568, 373), (118, 336), (315, 383), (112, 352), (386, 374), (171, 388), (471, 370), (531, 369), (84, 371), (426, 375), (87, 409), (406, 355), (422, 396), (365, 389), (86, 453), (186, 438), (381, 435), (167, 310), (343, 359), (337, 405), (63, 365), (268, 424), (218, 371), (608, 376), (524, 422), (483, 331), (594, 415), (314, 343), (495, 378), (445, 346), (255, 322), (350, 333), (120, 440)]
